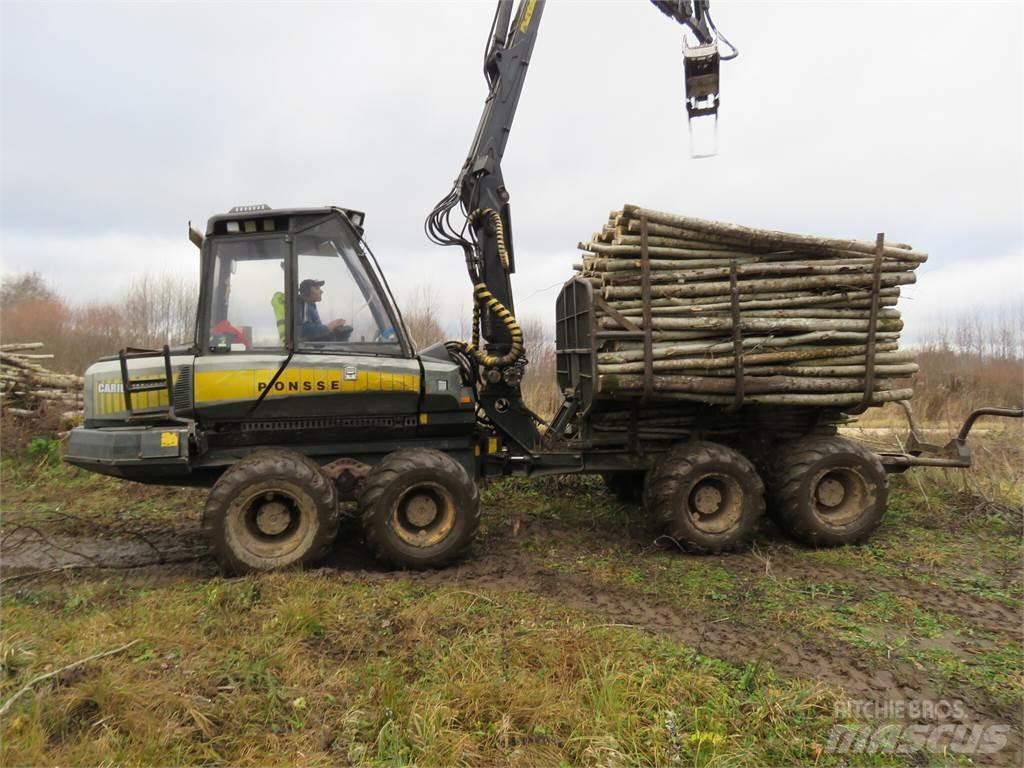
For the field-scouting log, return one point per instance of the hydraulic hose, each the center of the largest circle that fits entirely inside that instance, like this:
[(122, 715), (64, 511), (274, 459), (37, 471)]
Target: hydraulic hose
[(499, 231), (483, 297)]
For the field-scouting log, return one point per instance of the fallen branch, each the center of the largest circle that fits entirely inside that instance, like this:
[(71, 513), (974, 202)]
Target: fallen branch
[(40, 678)]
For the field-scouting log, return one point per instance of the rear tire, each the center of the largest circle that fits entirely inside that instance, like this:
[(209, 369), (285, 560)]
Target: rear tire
[(707, 497), (828, 491), (271, 510), (419, 509)]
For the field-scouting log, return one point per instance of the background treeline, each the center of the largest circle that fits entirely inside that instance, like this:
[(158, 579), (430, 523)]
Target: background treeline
[(967, 360), (151, 311)]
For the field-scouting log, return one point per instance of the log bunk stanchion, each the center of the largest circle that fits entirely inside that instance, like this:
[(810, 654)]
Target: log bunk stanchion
[(869, 354), (645, 293), (737, 336)]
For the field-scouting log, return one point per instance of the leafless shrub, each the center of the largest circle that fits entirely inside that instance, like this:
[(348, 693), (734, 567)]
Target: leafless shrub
[(540, 390), (969, 362), (160, 309), (422, 317)]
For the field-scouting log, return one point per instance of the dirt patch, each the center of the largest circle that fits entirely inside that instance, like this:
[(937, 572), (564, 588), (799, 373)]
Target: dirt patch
[(25, 551)]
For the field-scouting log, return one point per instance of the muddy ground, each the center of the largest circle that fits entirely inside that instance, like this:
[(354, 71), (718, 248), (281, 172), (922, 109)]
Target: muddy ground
[(929, 610)]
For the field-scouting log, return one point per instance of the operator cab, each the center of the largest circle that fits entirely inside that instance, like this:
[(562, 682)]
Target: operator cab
[(297, 280)]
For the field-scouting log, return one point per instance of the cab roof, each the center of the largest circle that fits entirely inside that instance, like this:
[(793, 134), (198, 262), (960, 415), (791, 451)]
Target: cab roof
[(217, 225)]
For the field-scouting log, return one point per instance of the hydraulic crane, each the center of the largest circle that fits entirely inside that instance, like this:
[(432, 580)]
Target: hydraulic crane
[(480, 193)]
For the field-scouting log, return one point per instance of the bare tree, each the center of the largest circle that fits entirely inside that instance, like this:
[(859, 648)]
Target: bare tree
[(28, 286), (422, 317)]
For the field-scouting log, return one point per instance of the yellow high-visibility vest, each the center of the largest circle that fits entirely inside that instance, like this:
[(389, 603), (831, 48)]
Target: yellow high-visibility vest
[(278, 303)]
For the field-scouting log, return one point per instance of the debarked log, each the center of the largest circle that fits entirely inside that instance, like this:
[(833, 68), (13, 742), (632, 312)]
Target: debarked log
[(634, 277), (825, 313), (689, 308), (678, 253), (831, 298), (756, 286), (720, 354), (612, 382), (767, 237), (757, 324), (832, 400), (688, 368)]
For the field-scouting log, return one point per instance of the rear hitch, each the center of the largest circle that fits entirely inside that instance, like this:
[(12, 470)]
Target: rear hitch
[(956, 454)]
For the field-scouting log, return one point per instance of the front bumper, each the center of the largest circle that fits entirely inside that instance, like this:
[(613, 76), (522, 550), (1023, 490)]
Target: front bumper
[(135, 453)]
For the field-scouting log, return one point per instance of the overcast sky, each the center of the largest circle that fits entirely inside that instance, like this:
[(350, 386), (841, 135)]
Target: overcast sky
[(121, 122)]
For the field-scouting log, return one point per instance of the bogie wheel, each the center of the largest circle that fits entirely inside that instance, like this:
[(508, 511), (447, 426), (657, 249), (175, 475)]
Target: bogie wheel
[(828, 491), (627, 486), (271, 510), (419, 508), (707, 497)]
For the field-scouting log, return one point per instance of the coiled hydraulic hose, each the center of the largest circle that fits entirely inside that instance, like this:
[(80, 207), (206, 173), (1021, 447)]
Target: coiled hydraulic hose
[(499, 231), (483, 297)]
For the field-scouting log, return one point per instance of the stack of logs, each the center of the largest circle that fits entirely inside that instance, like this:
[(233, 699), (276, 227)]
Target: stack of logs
[(803, 306), (27, 388)]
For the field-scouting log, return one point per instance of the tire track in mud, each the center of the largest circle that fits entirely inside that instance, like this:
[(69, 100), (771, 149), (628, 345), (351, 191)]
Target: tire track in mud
[(836, 664), (985, 613)]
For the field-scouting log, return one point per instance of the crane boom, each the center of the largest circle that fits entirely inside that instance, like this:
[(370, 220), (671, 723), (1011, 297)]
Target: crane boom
[(485, 232)]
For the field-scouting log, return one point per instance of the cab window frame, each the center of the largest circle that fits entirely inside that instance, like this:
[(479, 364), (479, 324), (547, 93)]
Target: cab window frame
[(369, 272), (208, 292)]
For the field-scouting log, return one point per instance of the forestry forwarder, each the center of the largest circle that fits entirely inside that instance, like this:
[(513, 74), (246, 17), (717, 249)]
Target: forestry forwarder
[(286, 416)]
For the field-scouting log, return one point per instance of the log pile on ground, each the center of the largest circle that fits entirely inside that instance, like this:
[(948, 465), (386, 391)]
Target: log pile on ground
[(27, 388), (803, 304)]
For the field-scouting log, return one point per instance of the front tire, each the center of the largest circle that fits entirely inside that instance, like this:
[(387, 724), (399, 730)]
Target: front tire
[(271, 510), (829, 491), (419, 509), (707, 497)]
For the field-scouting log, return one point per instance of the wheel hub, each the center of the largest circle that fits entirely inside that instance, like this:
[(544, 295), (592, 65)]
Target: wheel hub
[(424, 515), (272, 518), (707, 499), (714, 503), (421, 510), (841, 495), (831, 492)]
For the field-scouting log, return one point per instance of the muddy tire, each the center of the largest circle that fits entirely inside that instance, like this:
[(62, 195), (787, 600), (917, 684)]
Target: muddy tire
[(828, 491), (419, 509), (707, 497), (272, 510), (627, 487)]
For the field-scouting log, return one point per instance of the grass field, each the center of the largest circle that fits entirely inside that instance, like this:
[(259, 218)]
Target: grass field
[(567, 635)]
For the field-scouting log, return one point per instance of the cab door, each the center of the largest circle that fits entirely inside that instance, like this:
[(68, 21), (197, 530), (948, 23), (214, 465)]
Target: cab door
[(242, 344), (350, 367)]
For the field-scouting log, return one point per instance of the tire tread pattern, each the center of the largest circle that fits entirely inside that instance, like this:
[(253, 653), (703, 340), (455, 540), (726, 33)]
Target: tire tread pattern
[(389, 471), (795, 461), (258, 467), (673, 469)]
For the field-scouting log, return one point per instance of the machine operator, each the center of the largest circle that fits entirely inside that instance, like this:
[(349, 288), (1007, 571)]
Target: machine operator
[(311, 327)]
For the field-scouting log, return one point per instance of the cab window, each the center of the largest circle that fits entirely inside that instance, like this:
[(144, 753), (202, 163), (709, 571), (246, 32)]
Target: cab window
[(247, 310), (338, 308)]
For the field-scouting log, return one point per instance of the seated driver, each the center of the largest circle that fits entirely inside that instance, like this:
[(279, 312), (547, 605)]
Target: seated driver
[(311, 328)]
